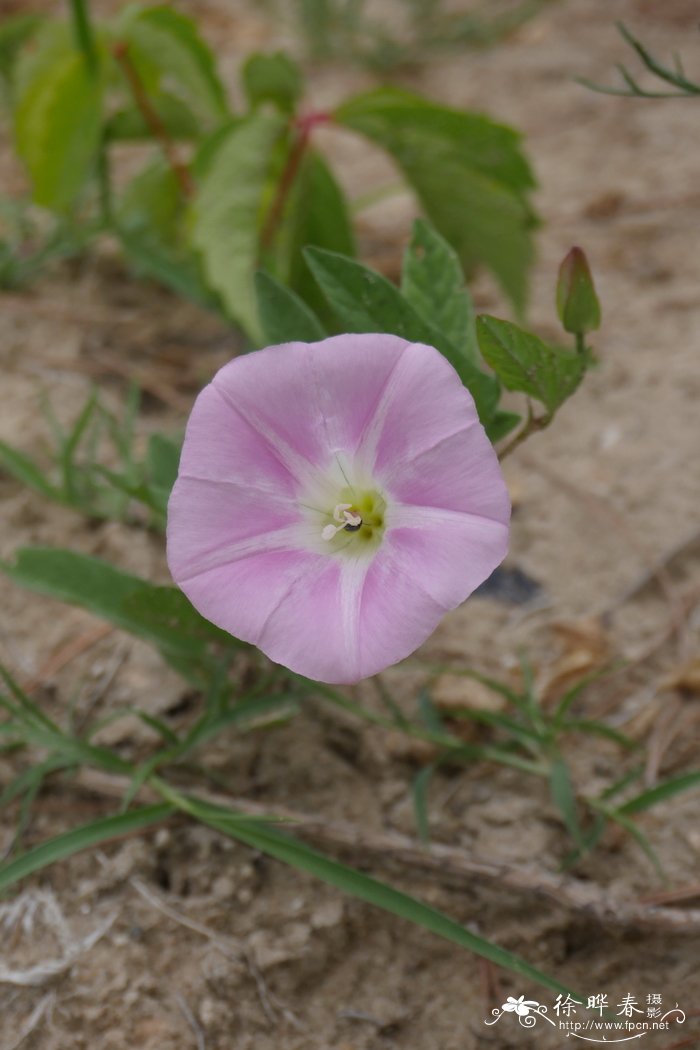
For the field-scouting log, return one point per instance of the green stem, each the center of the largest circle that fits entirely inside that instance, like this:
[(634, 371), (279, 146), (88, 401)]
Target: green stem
[(104, 181), (83, 32), (581, 348), (531, 426)]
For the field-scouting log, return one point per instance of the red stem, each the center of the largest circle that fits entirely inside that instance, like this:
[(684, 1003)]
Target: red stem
[(303, 127), (152, 117)]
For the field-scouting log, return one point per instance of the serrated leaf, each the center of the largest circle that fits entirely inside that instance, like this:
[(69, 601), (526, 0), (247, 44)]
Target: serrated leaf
[(226, 213), (58, 118), (365, 301), (283, 315), (171, 57), (469, 173), (433, 283), (523, 362), (272, 78)]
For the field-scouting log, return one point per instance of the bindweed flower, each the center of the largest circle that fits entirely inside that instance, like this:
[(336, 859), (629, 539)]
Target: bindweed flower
[(334, 500)]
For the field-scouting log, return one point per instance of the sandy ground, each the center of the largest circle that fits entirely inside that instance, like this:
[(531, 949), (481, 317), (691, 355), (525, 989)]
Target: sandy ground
[(205, 944)]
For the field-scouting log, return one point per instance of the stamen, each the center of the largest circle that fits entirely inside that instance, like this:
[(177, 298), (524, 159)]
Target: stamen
[(348, 519)]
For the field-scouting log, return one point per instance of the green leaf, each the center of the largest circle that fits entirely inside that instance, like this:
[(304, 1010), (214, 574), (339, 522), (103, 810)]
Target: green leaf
[(86, 837), (179, 271), (659, 793), (283, 315), (58, 118), (564, 798), (128, 122), (159, 615), (173, 60), (227, 212), (364, 887), (14, 34), (419, 792), (318, 216), (468, 172), (25, 470), (433, 283), (272, 78), (501, 424), (151, 201), (365, 301), (523, 362), (162, 461)]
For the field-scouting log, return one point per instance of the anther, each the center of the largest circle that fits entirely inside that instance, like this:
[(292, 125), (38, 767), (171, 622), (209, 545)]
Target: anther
[(349, 520)]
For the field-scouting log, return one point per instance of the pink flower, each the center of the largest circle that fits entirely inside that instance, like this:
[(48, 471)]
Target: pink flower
[(334, 500)]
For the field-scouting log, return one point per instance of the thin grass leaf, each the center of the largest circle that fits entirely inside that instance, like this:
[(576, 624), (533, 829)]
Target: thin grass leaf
[(25, 780), (419, 794), (24, 469), (85, 837), (663, 791), (28, 707), (637, 834), (591, 838), (70, 448), (429, 714), (587, 725), (623, 782), (364, 887), (564, 798), (564, 705)]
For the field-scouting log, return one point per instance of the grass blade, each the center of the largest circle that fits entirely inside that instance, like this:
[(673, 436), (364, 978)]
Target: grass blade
[(88, 835), (366, 888)]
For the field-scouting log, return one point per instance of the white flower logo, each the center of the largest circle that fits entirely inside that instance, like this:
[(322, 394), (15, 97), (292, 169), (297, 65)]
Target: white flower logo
[(520, 1006)]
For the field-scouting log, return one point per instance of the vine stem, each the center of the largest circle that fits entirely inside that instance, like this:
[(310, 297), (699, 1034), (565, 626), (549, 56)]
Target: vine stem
[(303, 127), (83, 32), (152, 117), (532, 425)]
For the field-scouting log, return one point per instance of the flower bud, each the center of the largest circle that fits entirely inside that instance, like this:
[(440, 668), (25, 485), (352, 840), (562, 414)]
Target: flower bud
[(577, 303)]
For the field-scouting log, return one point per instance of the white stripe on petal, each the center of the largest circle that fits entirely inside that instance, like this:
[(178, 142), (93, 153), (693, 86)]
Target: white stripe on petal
[(409, 516), (289, 538), (352, 584), (298, 466), (369, 444)]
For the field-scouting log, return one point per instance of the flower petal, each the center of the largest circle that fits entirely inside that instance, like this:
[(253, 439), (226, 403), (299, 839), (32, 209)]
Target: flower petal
[(242, 595), (423, 403), (315, 628), (220, 445), (452, 553), (318, 397), (459, 473)]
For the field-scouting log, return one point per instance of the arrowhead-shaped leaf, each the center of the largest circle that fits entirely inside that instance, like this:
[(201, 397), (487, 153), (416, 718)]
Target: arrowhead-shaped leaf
[(365, 301)]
